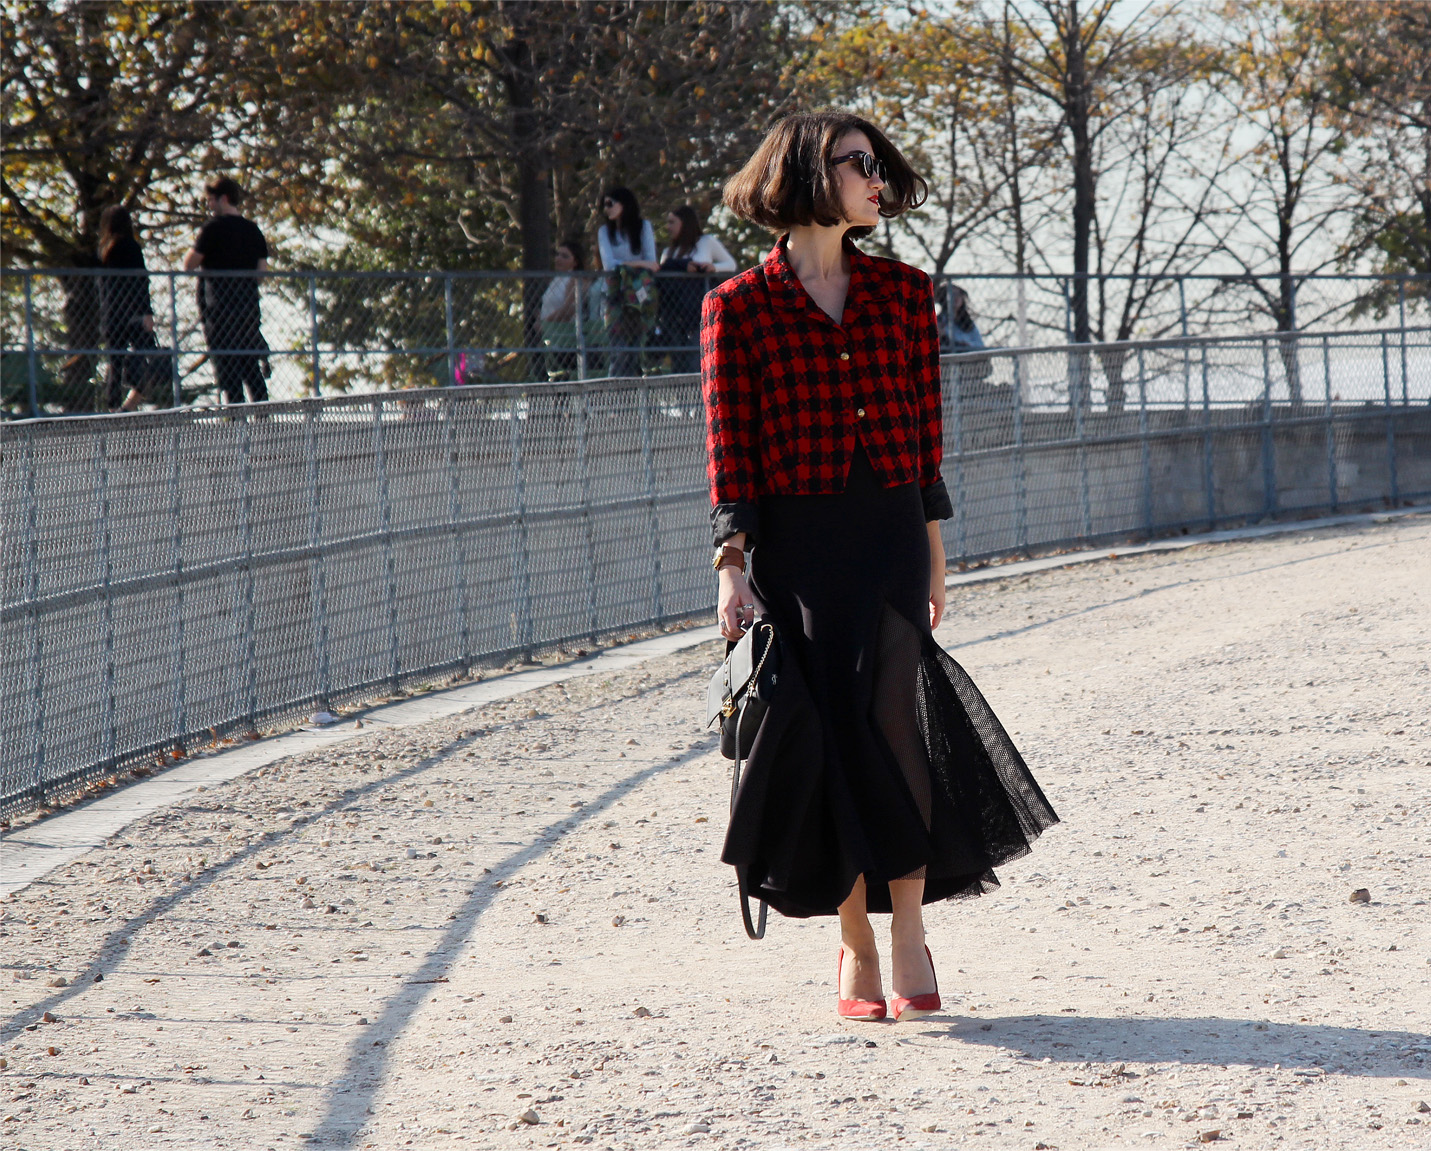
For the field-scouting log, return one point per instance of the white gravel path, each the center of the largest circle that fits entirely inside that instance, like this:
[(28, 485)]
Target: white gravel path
[(419, 937)]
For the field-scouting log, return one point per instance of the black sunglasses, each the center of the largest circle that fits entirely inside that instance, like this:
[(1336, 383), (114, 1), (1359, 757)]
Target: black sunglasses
[(869, 166)]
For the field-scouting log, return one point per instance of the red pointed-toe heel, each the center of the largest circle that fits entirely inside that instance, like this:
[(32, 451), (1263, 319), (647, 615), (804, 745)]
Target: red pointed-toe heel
[(865, 1010), (918, 1006)]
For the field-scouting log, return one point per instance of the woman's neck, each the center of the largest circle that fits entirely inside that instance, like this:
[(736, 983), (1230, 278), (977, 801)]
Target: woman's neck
[(817, 253)]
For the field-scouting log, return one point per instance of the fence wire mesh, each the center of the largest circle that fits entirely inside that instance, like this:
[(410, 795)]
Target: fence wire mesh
[(70, 341), (172, 578)]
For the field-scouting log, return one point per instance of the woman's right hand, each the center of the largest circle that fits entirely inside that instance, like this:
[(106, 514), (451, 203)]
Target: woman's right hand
[(735, 606)]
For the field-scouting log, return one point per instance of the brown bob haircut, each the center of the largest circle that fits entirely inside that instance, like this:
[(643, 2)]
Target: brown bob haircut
[(789, 180)]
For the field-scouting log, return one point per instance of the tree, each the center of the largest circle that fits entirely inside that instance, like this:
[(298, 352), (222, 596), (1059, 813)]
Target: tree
[(1376, 66), (103, 103), (477, 135), (1071, 56), (1172, 148), (1288, 183), (915, 79), (523, 110)]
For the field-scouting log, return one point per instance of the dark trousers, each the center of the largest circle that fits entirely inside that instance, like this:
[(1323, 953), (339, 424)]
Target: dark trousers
[(627, 332), (236, 349), (132, 370), (233, 371)]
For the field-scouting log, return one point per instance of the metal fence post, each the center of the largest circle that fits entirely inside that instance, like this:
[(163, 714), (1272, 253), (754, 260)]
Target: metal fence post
[(317, 571), (1187, 358), (459, 538), (583, 463), (1209, 484), (521, 559), (1401, 306), (176, 515), (176, 380), (649, 463), (1331, 425), (1085, 494), (1021, 511), (949, 312), (31, 359), (32, 593), (249, 663), (385, 513), (313, 334), (956, 412), (447, 316), (106, 569), (581, 303), (1392, 483), (1067, 311), (1145, 443), (1269, 450)]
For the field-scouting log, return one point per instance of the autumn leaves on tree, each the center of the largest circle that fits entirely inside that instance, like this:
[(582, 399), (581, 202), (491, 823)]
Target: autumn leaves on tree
[(1067, 136)]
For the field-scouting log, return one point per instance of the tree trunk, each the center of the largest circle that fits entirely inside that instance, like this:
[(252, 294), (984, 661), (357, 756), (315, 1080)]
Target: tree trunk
[(1077, 110), (1114, 360), (533, 194)]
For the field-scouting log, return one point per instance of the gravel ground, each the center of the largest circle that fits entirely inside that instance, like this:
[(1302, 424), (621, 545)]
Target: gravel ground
[(511, 929)]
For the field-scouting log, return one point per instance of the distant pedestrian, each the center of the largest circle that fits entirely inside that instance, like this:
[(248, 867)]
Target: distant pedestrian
[(564, 305), (228, 305), (691, 251), (126, 315), (628, 253), (960, 335)]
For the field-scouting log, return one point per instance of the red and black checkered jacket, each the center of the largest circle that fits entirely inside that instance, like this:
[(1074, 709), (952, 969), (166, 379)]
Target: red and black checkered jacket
[(789, 392)]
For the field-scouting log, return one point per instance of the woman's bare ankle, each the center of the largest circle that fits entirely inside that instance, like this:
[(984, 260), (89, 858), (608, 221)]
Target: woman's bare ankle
[(860, 944)]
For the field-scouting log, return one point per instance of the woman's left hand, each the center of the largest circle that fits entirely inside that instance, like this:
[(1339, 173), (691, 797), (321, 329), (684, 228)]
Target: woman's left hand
[(936, 575)]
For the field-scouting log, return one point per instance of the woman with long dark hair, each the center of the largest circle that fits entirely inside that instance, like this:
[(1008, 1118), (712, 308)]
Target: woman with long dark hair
[(879, 780), (125, 310), (564, 306), (628, 253), (691, 251)]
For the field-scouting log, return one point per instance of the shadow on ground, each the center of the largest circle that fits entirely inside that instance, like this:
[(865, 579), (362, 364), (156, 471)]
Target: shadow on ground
[(1207, 1040)]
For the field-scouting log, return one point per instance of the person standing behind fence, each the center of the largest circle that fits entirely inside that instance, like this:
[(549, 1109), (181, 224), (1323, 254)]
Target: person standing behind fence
[(228, 305), (628, 252), (559, 310), (691, 251), (126, 314)]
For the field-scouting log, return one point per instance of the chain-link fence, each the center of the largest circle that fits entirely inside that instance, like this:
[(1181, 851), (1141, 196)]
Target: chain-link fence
[(88, 340), (170, 578), (1026, 311)]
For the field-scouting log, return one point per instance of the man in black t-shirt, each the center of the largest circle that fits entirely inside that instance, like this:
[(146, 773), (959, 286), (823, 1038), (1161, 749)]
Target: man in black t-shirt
[(228, 305)]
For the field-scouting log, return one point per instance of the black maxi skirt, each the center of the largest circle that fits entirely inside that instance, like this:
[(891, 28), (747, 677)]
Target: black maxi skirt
[(878, 756)]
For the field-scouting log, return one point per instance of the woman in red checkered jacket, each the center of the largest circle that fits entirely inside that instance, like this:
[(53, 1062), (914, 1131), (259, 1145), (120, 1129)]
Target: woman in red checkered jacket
[(880, 780)]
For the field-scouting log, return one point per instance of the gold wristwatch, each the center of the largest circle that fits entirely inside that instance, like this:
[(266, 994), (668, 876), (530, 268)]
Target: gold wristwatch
[(728, 555)]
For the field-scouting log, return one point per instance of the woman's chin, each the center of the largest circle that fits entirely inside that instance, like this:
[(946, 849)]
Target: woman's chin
[(866, 219)]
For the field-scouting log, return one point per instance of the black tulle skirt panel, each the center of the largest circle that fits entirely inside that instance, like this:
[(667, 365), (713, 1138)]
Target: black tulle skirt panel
[(879, 756)]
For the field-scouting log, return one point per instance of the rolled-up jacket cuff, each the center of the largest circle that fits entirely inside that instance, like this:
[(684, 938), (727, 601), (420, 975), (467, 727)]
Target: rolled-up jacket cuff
[(737, 516), (937, 505)]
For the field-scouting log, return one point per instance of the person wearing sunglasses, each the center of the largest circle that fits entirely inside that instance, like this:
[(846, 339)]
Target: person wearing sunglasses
[(879, 779), (627, 244)]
